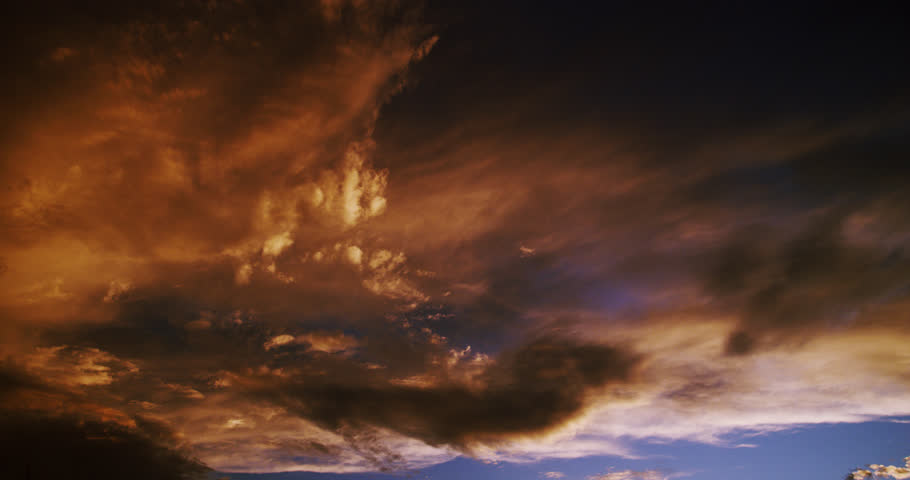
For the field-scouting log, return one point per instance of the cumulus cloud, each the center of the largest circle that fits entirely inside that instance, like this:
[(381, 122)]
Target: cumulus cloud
[(354, 254), (275, 245), (388, 277), (882, 471)]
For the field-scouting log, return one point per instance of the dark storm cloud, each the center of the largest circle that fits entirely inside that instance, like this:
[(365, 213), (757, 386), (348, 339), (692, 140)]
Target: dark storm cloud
[(49, 447), (14, 381), (51, 431), (814, 281), (198, 313), (870, 163), (666, 78), (530, 390)]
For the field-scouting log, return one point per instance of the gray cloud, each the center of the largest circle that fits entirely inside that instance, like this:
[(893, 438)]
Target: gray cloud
[(815, 280), (530, 390)]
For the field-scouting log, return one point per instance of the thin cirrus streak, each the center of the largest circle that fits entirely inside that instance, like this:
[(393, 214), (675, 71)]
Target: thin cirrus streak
[(326, 237)]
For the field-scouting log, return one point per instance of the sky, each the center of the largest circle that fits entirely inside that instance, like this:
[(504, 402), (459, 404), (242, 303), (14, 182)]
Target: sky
[(351, 240)]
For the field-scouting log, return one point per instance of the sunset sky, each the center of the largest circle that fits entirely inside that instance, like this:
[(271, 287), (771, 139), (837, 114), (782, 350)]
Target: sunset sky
[(339, 240)]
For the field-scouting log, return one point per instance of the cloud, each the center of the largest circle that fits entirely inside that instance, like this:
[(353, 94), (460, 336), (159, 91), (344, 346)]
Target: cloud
[(299, 249), (275, 245), (553, 474), (354, 254), (534, 389), (116, 290), (77, 366), (200, 324), (80, 447), (325, 342), (882, 471), (328, 342), (204, 190), (278, 341), (62, 53), (793, 287), (185, 391), (42, 414), (630, 475), (16, 380)]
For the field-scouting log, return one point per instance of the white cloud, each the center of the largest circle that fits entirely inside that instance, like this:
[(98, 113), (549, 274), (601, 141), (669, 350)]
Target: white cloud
[(690, 390), (630, 475), (233, 434)]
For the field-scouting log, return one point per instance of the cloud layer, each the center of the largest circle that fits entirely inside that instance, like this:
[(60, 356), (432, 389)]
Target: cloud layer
[(373, 236)]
